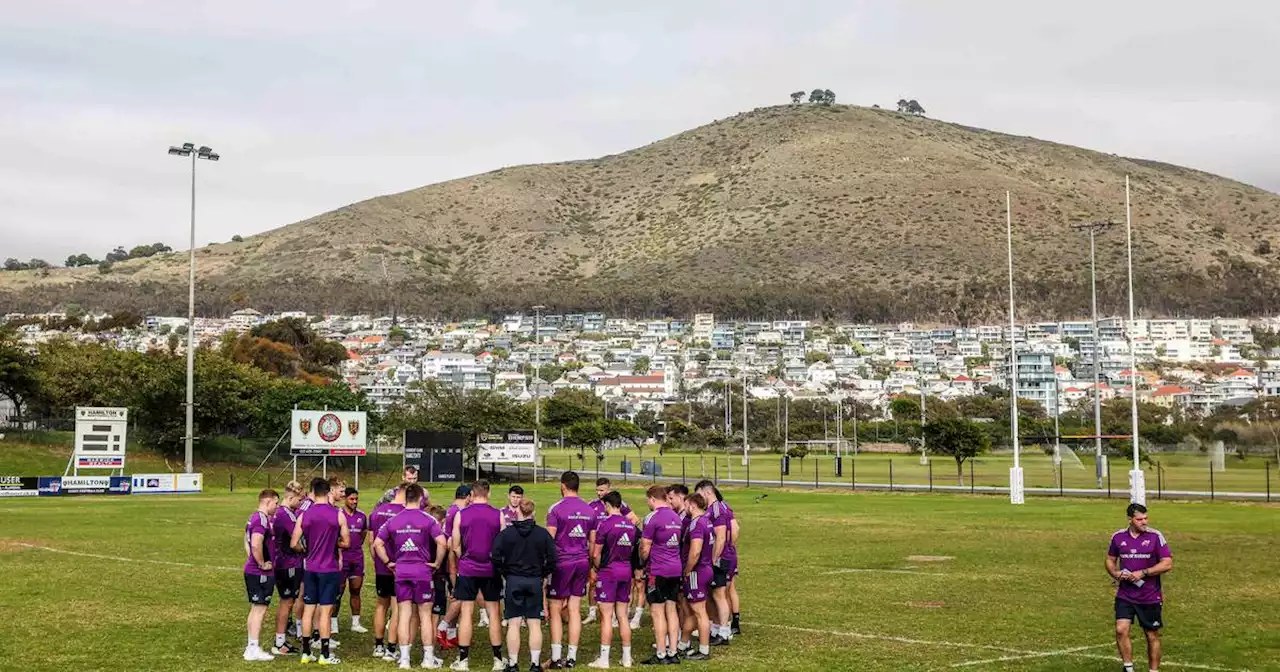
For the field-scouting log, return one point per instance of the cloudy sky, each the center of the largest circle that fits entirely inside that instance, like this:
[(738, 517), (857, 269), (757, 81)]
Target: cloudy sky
[(315, 104)]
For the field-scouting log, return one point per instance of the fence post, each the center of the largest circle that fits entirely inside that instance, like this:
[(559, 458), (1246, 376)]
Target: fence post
[(853, 473), (780, 472), (1108, 479), (715, 467), (544, 467), (1211, 480), (232, 486), (971, 489), (1159, 481), (930, 475), (1268, 463), (749, 474), (890, 474), (815, 472), (1062, 476)]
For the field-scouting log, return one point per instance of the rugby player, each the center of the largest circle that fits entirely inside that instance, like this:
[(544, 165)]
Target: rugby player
[(613, 545), (405, 545), (325, 528), (353, 557), (677, 497), (410, 476), (723, 560), (1138, 555), (572, 523), (307, 501), (440, 581), (524, 555), (474, 529), (287, 564), (604, 487), (447, 631), (697, 549), (259, 576), (511, 512), (384, 581), (660, 549), (337, 498)]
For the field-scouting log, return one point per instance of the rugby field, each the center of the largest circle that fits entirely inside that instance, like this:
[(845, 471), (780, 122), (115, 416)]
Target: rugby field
[(831, 581)]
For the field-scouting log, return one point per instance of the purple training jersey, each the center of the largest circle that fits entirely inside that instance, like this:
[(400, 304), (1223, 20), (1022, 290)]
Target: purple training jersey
[(381, 514), (258, 524), (598, 506), (320, 527), (1136, 554), (617, 538), (478, 525), (662, 529), (410, 538), (448, 518), (574, 521), (282, 556), (357, 526), (721, 515), (699, 528)]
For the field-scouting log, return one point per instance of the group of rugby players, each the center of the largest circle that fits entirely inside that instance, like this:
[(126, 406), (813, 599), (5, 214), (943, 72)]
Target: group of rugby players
[(434, 566)]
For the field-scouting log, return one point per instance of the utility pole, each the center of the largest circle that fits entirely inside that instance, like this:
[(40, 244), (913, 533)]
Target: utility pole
[(1093, 228), (1137, 484), (746, 400), (1016, 494), (537, 397)]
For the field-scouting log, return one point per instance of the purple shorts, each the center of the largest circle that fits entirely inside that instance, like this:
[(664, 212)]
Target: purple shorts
[(417, 591), (613, 590), (697, 584), (731, 564), (569, 580), (353, 567)]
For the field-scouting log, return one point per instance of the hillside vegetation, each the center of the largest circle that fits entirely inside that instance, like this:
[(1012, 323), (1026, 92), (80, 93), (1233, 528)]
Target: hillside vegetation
[(808, 210)]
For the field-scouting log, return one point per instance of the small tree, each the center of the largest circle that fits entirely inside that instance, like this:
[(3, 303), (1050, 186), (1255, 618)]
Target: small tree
[(828, 97), (797, 97), (914, 107), (960, 438), (641, 366), (903, 106), (237, 239), (817, 96)]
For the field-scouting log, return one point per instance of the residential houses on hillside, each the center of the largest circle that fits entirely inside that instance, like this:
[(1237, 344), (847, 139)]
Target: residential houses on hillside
[(1196, 365)]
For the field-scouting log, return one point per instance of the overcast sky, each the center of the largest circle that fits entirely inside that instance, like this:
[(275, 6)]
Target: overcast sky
[(320, 103)]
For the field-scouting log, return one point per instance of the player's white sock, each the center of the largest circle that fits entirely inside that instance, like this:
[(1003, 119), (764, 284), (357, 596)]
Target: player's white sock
[(404, 652), (591, 612), (355, 621), (428, 652), (684, 646), (604, 652), (1128, 667), (555, 651), (297, 629), (279, 640), (704, 649), (333, 624), (573, 652), (533, 655), (626, 653), (253, 644)]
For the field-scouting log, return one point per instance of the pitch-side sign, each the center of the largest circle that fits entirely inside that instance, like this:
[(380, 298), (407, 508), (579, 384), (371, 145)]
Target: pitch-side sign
[(100, 437), (327, 433), (508, 446)]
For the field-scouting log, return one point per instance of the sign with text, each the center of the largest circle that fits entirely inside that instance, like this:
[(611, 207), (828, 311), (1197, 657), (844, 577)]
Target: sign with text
[(437, 455), (508, 446), (165, 484), (321, 433), (19, 486), (100, 437)]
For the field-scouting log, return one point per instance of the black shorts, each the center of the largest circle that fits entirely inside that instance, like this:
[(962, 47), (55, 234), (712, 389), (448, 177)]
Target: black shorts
[(469, 587), (321, 588), (259, 588), (288, 582), (662, 589), (384, 586), (1147, 615), (523, 598), (441, 589), (719, 575)]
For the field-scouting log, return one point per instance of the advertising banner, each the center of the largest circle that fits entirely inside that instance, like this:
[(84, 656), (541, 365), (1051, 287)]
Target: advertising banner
[(86, 485), (19, 486), (50, 486), (100, 437), (508, 446), (165, 484), (319, 433)]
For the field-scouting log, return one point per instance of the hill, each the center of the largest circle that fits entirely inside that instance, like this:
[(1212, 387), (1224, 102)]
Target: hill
[(806, 210)]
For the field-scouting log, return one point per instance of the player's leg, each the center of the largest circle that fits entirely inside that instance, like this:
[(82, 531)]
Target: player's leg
[(404, 620), (1154, 649), (658, 614), (556, 618), (735, 608), (576, 585), (354, 584), (672, 621), (466, 618), (624, 630), (535, 640), (637, 597), (698, 611), (259, 589), (1123, 644), (606, 633), (329, 584), (449, 624), (427, 623), (513, 641), (492, 591)]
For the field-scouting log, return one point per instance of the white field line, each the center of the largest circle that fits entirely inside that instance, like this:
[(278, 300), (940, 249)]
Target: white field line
[(859, 570), (1042, 654), (1014, 654), (118, 558)]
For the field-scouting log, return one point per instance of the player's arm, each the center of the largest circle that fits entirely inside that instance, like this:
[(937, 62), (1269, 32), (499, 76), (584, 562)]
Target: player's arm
[(632, 517), (344, 532), (255, 544), (380, 550), (695, 550), (733, 531), (1165, 564), (593, 550), (295, 542), (717, 547), (441, 552), (645, 546), (455, 540)]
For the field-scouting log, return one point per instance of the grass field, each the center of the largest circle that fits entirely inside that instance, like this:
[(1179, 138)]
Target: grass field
[(828, 583)]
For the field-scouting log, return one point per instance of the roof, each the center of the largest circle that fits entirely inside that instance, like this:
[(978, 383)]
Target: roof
[(1170, 390)]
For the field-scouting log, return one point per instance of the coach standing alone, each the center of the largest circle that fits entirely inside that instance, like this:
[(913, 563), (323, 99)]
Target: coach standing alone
[(1138, 555)]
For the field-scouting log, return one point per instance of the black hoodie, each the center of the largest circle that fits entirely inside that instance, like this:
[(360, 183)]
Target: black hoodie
[(524, 549)]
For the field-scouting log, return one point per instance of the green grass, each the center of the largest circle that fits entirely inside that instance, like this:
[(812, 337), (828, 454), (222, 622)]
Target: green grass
[(1023, 581)]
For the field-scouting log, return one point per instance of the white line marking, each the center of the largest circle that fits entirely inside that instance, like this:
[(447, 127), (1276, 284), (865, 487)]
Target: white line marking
[(1015, 653), (1042, 654), (118, 558), (857, 570)]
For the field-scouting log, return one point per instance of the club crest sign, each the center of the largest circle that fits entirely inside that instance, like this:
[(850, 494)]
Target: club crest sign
[(328, 433)]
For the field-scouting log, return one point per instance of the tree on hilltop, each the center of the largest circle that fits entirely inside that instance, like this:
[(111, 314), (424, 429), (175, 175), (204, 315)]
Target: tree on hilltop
[(912, 107), (797, 97)]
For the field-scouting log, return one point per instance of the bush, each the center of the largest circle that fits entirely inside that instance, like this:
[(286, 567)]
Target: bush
[(800, 452), (104, 267)]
